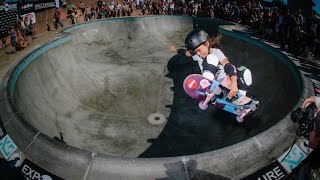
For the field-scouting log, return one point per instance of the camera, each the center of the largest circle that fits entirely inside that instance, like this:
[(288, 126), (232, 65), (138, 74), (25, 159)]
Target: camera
[(305, 119)]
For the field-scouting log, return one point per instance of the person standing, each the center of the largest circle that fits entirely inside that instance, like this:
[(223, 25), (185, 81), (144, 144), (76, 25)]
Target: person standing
[(4, 39), (12, 34), (57, 15), (82, 7)]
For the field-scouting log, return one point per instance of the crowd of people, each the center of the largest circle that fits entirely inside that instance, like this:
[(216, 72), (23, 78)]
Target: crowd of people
[(295, 32), (18, 34)]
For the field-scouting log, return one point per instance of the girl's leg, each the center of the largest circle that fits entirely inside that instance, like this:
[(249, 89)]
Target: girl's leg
[(244, 79)]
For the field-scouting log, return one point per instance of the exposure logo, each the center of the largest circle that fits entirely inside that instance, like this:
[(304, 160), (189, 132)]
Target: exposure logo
[(7, 146), (31, 174), (273, 171), (31, 171), (290, 160)]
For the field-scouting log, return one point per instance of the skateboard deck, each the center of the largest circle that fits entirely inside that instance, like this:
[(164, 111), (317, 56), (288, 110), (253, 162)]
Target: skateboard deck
[(197, 87)]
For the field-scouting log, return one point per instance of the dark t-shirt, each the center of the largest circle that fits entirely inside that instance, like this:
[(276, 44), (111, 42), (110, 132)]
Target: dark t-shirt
[(30, 27)]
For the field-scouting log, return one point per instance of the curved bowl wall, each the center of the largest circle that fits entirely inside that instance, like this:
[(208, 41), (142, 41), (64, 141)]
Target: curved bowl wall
[(96, 87)]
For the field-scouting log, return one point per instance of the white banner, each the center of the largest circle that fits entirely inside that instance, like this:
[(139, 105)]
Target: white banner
[(44, 5), (30, 16)]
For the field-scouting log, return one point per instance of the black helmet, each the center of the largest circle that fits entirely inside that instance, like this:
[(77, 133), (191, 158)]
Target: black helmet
[(195, 38)]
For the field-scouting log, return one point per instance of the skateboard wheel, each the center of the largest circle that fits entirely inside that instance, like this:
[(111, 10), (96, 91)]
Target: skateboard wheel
[(239, 118), (202, 105), (217, 90), (254, 105)]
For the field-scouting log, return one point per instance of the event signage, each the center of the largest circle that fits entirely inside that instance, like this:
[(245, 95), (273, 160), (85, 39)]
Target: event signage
[(292, 158), (44, 6), (26, 7), (7, 146), (30, 171), (273, 171), (10, 7), (29, 16), (7, 18)]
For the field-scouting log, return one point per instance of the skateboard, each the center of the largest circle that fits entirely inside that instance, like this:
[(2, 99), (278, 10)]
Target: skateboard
[(215, 92)]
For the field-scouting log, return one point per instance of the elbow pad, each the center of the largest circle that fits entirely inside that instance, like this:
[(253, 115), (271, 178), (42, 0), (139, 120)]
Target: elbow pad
[(230, 69)]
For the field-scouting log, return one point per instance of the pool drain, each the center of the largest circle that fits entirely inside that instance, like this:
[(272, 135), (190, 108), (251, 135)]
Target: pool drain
[(156, 118)]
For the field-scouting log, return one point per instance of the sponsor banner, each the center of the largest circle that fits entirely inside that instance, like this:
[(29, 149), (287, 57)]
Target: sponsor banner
[(45, 5), (25, 7), (2, 130), (7, 146), (9, 7), (30, 171), (273, 171), (292, 158), (7, 18), (29, 16)]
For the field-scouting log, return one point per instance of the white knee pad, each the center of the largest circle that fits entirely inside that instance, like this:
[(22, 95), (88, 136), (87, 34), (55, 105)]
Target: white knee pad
[(247, 77), (208, 75)]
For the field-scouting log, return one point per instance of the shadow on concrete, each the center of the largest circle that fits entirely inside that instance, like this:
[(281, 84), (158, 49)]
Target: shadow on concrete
[(189, 130), (188, 170)]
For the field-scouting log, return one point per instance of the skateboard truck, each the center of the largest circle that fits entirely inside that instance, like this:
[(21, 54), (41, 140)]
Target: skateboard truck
[(209, 96)]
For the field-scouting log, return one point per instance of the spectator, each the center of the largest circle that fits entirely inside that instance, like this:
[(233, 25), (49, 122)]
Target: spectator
[(64, 4), (93, 12), (118, 7), (23, 27), (82, 7), (312, 163), (99, 5), (69, 8), (57, 15), (21, 41), (31, 29), (13, 40), (4, 39), (87, 14)]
